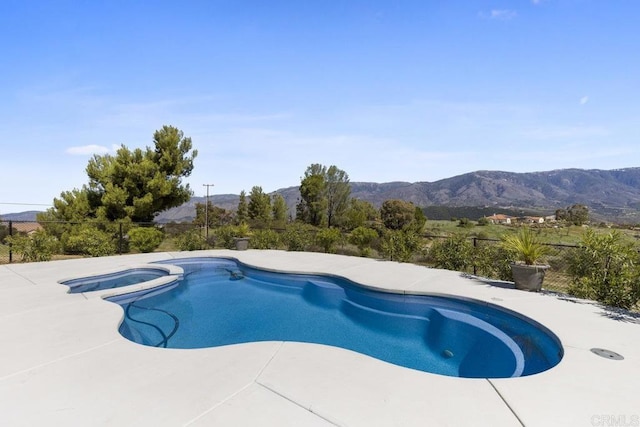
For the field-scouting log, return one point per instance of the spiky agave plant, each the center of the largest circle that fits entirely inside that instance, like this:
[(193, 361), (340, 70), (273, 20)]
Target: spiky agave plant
[(525, 246)]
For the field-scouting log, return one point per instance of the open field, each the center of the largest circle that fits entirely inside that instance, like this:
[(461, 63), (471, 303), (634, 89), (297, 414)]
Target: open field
[(556, 235)]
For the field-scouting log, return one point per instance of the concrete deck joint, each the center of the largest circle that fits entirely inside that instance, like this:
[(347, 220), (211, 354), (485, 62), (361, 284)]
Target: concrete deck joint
[(505, 402), (51, 362), (309, 409), (269, 361), (217, 405), (21, 276), (236, 393)]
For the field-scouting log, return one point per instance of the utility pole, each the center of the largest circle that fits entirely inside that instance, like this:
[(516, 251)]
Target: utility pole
[(206, 211)]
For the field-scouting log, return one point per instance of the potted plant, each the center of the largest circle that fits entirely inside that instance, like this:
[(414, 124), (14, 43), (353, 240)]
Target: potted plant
[(527, 249), (241, 238)]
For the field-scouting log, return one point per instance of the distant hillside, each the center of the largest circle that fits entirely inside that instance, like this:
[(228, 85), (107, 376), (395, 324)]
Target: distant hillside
[(187, 211), (20, 216), (612, 195)]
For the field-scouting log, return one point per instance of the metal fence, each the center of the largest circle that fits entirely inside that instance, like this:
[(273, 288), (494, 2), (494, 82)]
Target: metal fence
[(116, 232), (557, 277)]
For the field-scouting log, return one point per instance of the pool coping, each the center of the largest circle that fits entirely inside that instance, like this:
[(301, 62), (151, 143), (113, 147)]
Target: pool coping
[(66, 363), (174, 273)]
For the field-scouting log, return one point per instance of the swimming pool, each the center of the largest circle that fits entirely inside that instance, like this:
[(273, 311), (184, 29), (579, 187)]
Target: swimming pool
[(113, 280), (222, 302)]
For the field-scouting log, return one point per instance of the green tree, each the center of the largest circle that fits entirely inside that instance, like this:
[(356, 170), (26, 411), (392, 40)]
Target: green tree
[(397, 214), (139, 184), (420, 219), (338, 191), (130, 185), (216, 215), (312, 208), (242, 214), (358, 214), (578, 214), (279, 209), (204, 214), (561, 214), (259, 207), (72, 207), (324, 195)]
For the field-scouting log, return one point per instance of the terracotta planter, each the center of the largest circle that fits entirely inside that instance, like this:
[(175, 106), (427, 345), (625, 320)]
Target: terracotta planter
[(242, 243), (528, 277)]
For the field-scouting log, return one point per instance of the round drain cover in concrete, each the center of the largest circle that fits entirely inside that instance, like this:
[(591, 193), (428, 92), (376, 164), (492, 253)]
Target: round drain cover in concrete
[(607, 354)]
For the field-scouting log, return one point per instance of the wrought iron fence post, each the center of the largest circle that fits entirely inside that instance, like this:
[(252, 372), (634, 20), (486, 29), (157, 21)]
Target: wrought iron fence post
[(10, 243), (120, 240), (475, 245)]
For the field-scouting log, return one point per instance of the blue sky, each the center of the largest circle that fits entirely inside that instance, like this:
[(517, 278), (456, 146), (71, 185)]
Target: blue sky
[(412, 90)]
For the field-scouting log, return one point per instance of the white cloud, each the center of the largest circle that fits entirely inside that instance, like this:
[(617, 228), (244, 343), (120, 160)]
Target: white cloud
[(86, 150), (584, 100), (499, 14)]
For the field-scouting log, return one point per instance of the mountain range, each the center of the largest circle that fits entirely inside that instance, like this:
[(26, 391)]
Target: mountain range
[(611, 195)]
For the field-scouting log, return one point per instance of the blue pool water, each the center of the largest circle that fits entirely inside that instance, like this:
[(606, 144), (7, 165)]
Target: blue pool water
[(221, 302), (113, 280)]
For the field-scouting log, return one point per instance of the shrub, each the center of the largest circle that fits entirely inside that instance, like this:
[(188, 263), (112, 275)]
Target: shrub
[(328, 238), (225, 235), (145, 239), (605, 268), (453, 253), (91, 241), (265, 239), (465, 223), (39, 246), (192, 240), (493, 261), (298, 236), (483, 221), (399, 245), (363, 237)]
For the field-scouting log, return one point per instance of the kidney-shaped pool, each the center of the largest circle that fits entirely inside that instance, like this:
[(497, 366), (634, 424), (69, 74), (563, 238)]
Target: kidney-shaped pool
[(222, 301)]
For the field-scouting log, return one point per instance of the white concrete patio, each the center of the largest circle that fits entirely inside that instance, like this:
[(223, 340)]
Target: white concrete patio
[(63, 361)]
